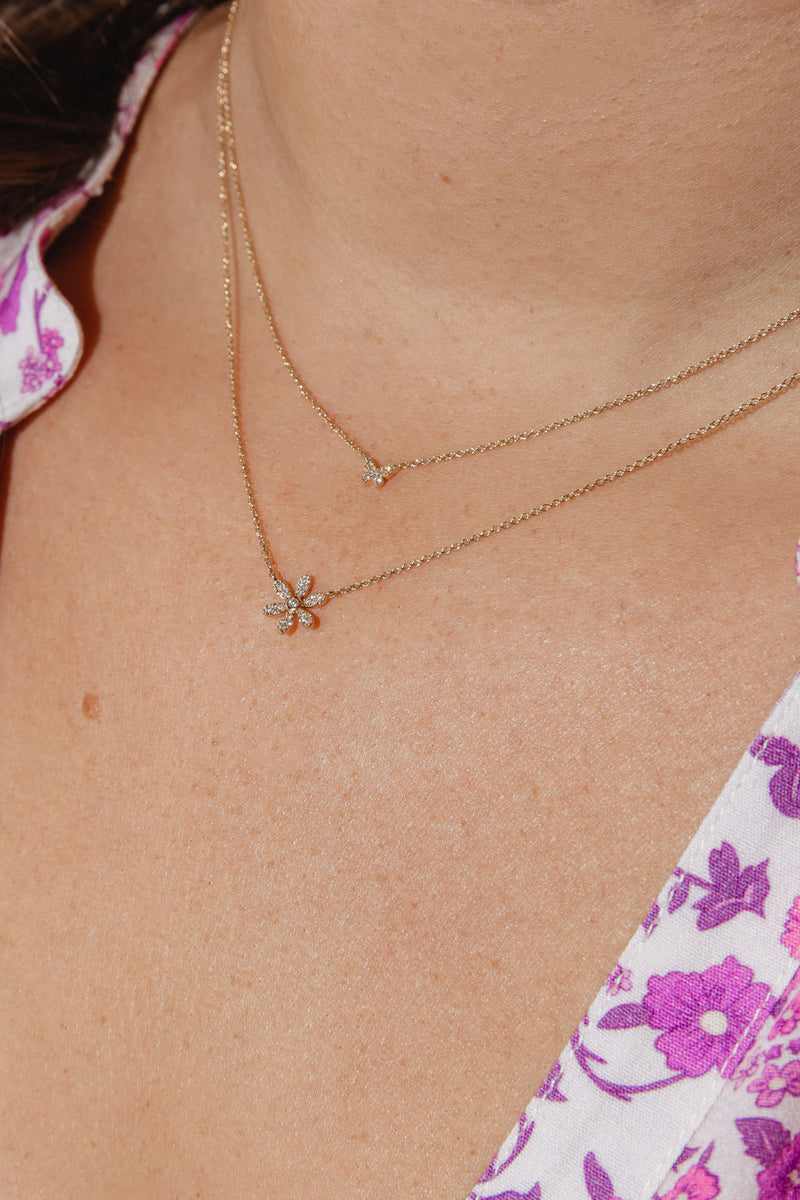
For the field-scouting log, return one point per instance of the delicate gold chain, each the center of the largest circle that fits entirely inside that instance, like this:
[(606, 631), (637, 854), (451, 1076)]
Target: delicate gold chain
[(373, 471), (295, 605)]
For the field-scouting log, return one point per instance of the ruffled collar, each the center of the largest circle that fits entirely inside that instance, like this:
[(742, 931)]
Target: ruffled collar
[(41, 339)]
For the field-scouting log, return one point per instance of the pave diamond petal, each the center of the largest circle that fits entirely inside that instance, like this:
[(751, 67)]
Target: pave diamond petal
[(295, 604), (376, 472), (373, 473)]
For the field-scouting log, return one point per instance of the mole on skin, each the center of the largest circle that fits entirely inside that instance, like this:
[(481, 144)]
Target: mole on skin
[(91, 705)]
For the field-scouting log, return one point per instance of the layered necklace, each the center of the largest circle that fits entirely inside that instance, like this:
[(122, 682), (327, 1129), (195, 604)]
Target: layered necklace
[(296, 605)]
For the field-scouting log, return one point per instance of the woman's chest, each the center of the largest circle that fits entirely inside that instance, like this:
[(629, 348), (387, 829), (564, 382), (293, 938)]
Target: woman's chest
[(315, 914), (320, 912)]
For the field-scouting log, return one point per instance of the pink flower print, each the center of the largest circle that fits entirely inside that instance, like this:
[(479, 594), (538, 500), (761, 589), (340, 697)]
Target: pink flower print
[(34, 372), (619, 981), (794, 1047), (790, 938), (747, 1068), (39, 366), (50, 342), (775, 1083), (705, 1015), (789, 1018), (696, 1184), (781, 1179)]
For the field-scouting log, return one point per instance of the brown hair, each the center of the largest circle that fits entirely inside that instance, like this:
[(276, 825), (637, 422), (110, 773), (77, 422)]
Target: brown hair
[(62, 64)]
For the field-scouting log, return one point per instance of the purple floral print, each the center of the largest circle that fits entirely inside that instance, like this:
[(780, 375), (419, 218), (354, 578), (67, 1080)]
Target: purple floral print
[(701, 1010), (650, 923), (729, 890), (550, 1089), (686, 1153), (697, 1184), (788, 1018), (781, 1179), (619, 981), (790, 937), (9, 305), (784, 786), (624, 1016), (764, 1139), (704, 1015), (775, 1083), (747, 1068), (37, 366), (779, 1154), (709, 1019), (525, 1127), (598, 1181)]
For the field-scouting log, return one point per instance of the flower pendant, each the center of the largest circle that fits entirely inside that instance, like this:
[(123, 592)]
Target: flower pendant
[(296, 605)]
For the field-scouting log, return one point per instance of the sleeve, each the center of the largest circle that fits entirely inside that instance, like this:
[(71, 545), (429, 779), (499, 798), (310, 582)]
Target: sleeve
[(41, 340)]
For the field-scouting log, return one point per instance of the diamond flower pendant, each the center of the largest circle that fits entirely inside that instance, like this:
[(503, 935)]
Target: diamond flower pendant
[(295, 607)]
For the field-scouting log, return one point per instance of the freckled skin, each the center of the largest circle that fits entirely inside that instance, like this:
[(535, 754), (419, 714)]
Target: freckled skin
[(313, 916)]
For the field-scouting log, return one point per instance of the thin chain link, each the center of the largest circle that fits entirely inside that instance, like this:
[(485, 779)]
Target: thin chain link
[(224, 132), (528, 515), (223, 121), (466, 451)]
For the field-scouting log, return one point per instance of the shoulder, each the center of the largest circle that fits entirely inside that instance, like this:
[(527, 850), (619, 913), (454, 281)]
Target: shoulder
[(41, 336)]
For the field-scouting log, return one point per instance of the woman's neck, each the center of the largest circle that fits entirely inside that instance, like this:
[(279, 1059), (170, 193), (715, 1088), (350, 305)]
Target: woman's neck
[(583, 166)]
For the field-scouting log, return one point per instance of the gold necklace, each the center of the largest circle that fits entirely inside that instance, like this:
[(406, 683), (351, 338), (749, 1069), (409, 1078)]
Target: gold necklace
[(296, 604), (375, 472)]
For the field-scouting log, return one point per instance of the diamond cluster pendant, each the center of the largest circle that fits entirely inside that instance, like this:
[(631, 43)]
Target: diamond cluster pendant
[(296, 605), (375, 473)]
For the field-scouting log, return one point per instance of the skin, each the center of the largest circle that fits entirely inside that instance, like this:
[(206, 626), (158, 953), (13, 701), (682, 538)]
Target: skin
[(313, 917)]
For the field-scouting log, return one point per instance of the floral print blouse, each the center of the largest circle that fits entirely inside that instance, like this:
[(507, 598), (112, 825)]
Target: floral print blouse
[(682, 1082)]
